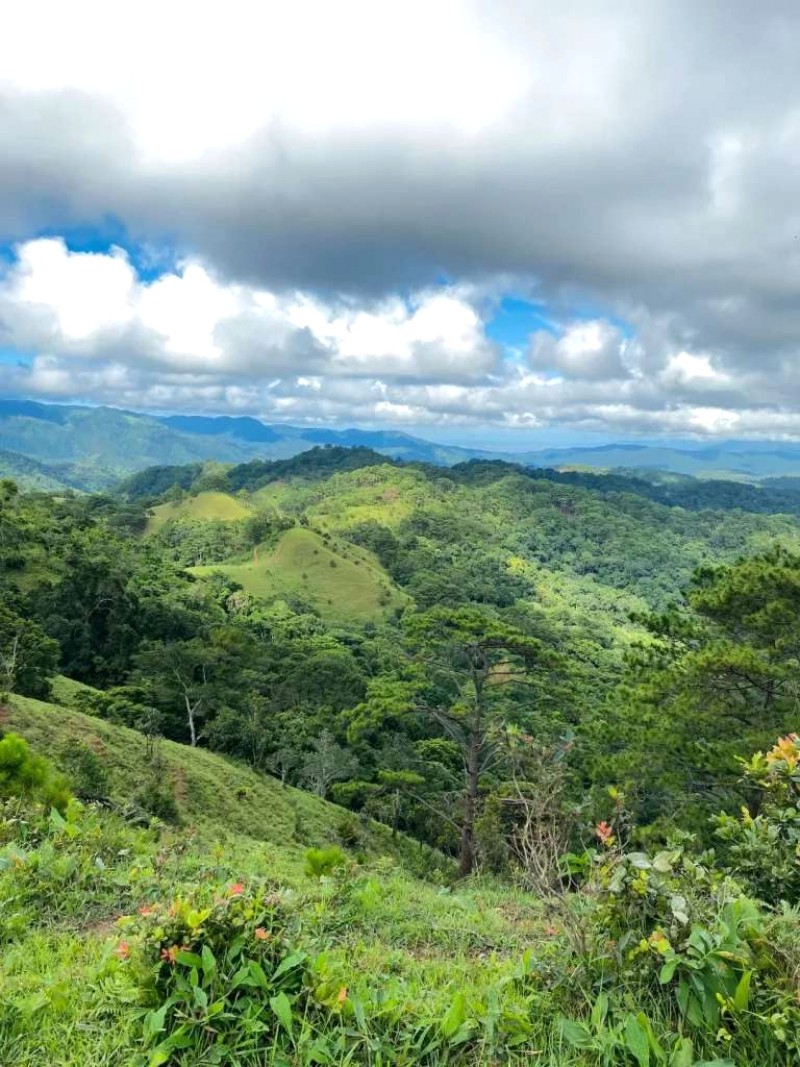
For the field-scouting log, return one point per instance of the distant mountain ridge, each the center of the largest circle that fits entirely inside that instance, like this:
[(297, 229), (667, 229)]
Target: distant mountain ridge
[(82, 447)]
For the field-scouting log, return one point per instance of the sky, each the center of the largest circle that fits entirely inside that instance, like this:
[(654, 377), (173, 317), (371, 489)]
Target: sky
[(487, 220)]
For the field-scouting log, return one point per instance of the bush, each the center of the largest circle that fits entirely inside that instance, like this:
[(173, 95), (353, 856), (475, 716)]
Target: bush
[(350, 832), (25, 774), (86, 771), (322, 862), (225, 979), (157, 798), (764, 849), (670, 923), (72, 869)]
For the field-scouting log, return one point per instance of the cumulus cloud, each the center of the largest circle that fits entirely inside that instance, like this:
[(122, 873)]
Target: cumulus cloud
[(94, 306), (318, 169), (593, 349)]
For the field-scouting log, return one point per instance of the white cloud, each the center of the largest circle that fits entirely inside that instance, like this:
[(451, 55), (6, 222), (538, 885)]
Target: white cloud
[(94, 306), (689, 368), (318, 167), (194, 78), (188, 340), (593, 349)]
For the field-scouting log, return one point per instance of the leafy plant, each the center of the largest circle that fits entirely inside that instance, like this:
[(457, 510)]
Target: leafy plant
[(24, 773), (323, 862)]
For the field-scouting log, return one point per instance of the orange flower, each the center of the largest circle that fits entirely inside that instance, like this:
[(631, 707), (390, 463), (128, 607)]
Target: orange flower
[(123, 950), (146, 909), (170, 955), (261, 934), (604, 833), (341, 996), (787, 750), (236, 889)]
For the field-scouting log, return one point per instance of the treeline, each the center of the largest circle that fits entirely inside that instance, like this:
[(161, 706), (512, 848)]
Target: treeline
[(772, 496)]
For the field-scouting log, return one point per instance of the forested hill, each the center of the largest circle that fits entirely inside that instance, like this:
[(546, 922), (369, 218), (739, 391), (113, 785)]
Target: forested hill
[(773, 496)]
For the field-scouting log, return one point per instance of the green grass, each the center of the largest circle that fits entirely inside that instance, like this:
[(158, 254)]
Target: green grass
[(65, 690), (414, 955), (204, 507), (213, 793), (68, 1000), (344, 583)]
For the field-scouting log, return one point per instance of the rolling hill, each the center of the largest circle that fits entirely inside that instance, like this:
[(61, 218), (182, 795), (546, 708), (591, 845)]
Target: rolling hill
[(204, 507), (340, 580)]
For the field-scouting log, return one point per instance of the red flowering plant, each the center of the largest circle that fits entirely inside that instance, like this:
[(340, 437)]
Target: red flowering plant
[(221, 971)]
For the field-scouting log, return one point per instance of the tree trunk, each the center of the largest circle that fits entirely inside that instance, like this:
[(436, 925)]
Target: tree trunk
[(190, 710), (466, 859)]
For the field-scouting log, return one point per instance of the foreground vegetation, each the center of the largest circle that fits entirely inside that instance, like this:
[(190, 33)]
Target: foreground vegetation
[(126, 941), (544, 731)]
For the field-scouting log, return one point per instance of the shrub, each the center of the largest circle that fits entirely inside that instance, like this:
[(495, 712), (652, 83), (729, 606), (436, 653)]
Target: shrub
[(86, 771), (225, 979), (670, 923), (322, 862), (156, 797), (764, 849), (25, 774), (72, 868), (350, 832)]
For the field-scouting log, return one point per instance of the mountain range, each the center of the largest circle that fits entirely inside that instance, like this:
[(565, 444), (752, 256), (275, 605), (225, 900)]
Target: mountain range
[(57, 446)]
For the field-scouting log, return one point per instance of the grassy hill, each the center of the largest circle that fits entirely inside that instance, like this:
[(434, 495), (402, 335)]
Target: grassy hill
[(213, 794), (342, 581), (204, 507), (216, 941)]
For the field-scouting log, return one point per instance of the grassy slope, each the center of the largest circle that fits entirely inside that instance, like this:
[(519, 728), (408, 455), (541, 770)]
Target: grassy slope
[(211, 791), (419, 944), (201, 508), (344, 582)]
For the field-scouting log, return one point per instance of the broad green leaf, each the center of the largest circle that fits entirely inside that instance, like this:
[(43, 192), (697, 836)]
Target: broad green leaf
[(456, 1014), (257, 976), (154, 1020), (188, 959), (636, 1041), (599, 1010), (682, 1054), (209, 963), (288, 964), (282, 1008), (575, 1033), (741, 998)]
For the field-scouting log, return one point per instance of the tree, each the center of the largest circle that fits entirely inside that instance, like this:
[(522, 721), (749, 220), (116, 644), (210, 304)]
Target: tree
[(720, 674), (462, 662), (28, 658), (189, 675), (328, 762)]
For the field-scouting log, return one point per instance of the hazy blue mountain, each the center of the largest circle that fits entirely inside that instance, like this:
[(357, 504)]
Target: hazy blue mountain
[(729, 459), (53, 477), (88, 447)]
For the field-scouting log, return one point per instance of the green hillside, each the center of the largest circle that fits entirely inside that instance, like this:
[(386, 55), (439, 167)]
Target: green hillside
[(217, 796), (69, 1000), (342, 581), (204, 507)]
